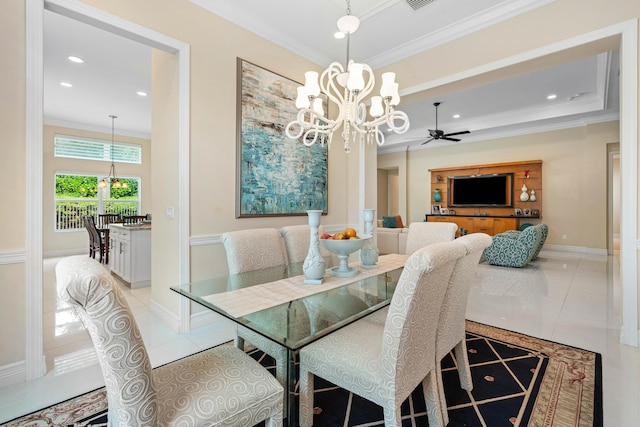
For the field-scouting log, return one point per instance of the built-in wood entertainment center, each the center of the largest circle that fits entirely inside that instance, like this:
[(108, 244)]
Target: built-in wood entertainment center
[(492, 218)]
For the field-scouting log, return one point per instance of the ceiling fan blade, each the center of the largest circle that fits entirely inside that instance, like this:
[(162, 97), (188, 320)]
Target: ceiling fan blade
[(450, 139), (428, 140), (457, 133)]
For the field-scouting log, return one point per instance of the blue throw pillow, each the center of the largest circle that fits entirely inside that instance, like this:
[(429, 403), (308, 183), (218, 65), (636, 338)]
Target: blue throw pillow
[(389, 222)]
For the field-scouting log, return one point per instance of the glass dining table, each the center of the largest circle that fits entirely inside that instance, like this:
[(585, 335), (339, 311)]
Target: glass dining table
[(308, 313)]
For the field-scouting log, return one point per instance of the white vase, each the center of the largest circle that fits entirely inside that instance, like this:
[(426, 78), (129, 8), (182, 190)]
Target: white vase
[(524, 196), (369, 252), (532, 197), (314, 264)]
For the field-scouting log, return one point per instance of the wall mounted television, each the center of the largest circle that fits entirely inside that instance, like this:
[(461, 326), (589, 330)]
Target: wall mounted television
[(491, 190)]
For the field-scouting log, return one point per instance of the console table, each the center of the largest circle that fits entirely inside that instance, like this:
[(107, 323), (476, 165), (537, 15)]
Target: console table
[(490, 225)]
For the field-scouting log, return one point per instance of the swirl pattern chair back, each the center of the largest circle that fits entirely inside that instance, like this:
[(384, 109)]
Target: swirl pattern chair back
[(296, 241), (385, 362), (220, 386), (253, 249), (422, 234)]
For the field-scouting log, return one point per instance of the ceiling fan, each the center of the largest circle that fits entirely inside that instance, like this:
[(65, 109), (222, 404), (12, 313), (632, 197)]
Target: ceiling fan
[(439, 134)]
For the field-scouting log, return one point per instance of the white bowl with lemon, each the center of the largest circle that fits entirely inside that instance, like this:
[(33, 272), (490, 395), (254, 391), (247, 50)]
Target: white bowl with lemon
[(344, 244)]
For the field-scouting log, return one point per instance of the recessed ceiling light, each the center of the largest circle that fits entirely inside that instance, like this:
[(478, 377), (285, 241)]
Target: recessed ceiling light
[(552, 96), (456, 116), (66, 84), (75, 59), (141, 93), (339, 35)]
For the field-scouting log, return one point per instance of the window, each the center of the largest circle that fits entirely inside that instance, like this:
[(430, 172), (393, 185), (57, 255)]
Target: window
[(78, 195), (94, 149)]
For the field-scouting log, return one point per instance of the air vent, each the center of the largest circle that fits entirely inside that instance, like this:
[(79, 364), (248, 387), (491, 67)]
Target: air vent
[(417, 4)]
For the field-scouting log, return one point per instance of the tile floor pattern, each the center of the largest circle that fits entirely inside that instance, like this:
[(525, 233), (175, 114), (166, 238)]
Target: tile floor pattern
[(566, 297)]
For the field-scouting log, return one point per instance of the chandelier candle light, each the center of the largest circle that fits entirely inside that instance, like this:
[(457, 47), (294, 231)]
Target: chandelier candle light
[(104, 182), (347, 89)]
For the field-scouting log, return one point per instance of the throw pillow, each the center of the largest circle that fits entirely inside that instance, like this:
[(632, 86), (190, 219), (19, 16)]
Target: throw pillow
[(399, 222), (389, 222)]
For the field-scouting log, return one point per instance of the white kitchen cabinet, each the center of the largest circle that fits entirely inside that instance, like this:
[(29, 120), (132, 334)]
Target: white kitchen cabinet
[(130, 253)]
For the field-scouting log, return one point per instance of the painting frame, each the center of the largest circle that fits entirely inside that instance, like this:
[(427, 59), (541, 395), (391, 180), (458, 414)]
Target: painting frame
[(435, 209), (275, 175)]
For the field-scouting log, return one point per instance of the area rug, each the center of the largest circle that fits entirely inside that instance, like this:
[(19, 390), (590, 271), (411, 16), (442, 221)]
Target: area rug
[(518, 381)]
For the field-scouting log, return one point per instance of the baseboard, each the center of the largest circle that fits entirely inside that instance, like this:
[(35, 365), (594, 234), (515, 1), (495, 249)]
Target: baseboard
[(165, 315), (225, 328), (575, 249), (13, 373)]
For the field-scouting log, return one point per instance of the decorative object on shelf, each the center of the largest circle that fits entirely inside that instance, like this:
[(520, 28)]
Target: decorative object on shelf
[(444, 211), (532, 197), (104, 182), (275, 176), (526, 173), (343, 248), (439, 178), (314, 265), (517, 212), (348, 90), (369, 252), (524, 196), (535, 212), (437, 197), (527, 212), (435, 210)]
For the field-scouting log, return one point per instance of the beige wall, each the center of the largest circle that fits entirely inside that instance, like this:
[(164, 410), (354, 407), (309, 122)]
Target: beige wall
[(60, 243), (574, 177), (216, 43)]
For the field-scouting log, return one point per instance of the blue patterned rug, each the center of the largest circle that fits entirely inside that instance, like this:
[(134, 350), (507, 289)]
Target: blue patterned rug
[(518, 381)]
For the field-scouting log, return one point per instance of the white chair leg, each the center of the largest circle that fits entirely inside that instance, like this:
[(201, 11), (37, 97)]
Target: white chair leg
[(432, 400), (306, 399), (443, 398), (462, 359)]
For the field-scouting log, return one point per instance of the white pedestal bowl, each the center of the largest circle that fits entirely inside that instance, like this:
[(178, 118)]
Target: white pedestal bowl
[(344, 248)]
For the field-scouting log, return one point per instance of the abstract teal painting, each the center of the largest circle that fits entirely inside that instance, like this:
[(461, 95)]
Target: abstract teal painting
[(276, 176)]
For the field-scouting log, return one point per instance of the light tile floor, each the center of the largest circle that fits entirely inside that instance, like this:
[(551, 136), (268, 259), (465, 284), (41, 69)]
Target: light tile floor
[(565, 297)]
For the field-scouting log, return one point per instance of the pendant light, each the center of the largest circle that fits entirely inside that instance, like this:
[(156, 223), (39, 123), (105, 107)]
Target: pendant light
[(104, 182)]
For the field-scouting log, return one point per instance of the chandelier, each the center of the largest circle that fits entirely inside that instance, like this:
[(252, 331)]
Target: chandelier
[(104, 182), (347, 89)]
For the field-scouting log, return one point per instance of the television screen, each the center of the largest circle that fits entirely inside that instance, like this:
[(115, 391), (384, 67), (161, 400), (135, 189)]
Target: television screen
[(493, 190)]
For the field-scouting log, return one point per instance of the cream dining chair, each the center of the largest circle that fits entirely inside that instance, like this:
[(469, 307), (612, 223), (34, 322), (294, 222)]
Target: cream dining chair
[(426, 233), (296, 241), (222, 386), (249, 250), (385, 363)]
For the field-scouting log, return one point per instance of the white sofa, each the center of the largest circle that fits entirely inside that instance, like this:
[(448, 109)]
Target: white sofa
[(391, 240)]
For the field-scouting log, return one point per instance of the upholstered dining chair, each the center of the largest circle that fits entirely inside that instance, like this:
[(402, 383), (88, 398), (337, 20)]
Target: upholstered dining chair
[(296, 241), (451, 326), (426, 233), (249, 250), (385, 363), (222, 386), (97, 244)]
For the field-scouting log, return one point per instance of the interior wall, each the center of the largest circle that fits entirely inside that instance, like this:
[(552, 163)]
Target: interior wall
[(393, 184), (61, 243), (574, 186), (383, 193)]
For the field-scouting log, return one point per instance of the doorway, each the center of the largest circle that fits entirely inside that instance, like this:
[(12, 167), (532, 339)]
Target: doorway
[(34, 367)]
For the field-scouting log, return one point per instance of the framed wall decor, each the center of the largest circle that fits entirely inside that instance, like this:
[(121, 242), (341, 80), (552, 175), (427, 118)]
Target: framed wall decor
[(275, 175), (435, 209), (444, 211), (518, 211)]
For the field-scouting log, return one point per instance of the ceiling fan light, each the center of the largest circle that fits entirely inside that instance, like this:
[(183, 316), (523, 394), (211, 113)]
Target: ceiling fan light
[(348, 24)]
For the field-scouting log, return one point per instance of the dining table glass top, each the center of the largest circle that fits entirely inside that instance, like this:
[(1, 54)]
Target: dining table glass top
[(275, 302)]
